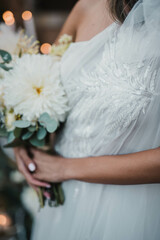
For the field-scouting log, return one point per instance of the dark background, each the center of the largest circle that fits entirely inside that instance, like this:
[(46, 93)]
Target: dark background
[(59, 5), (49, 15)]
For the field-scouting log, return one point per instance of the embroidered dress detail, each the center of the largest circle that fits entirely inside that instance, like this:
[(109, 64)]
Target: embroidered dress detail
[(106, 101)]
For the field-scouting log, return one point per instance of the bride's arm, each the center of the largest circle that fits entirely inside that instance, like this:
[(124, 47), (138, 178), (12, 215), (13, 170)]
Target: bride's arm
[(137, 168), (71, 24)]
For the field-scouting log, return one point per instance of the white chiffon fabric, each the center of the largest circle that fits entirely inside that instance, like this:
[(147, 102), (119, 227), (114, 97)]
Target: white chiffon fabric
[(113, 85)]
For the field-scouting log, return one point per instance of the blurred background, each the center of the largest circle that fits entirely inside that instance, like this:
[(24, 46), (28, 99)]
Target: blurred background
[(43, 19)]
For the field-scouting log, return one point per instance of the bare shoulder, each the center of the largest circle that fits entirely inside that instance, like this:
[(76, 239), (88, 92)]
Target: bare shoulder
[(86, 4), (77, 14), (81, 8)]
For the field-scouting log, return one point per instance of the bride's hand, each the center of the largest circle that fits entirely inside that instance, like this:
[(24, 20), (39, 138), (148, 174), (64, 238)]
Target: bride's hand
[(49, 168), (23, 164)]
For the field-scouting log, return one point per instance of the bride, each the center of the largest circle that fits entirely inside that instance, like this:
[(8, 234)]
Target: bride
[(109, 155)]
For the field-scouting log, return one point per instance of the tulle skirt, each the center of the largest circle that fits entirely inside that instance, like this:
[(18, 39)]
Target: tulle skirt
[(102, 212)]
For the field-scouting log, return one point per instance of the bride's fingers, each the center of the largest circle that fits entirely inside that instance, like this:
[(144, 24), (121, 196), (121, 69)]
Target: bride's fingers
[(45, 193), (23, 169), (34, 187), (27, 160), (36, 153)]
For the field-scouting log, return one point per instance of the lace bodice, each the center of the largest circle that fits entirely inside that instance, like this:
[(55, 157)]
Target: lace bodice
[(107, 97)]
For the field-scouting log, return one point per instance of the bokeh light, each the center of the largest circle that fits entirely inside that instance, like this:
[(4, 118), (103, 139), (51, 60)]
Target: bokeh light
[(45, 48), (11, 22), (4, 220), (8, 16), (26, 15)]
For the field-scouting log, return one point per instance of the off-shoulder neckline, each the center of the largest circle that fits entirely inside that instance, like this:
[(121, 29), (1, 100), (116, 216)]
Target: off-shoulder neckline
[(94, 37)]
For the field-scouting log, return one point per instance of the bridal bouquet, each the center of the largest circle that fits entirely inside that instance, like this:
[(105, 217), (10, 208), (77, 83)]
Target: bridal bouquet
[(33, 103)]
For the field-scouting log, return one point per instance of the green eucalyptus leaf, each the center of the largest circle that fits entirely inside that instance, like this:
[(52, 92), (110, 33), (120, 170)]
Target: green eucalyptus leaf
[(21, 124), (4, 67), (37, 143), (49, 123), (17, 132), (61, 193), (41, 134), (11, 137), (32, 128), (40, 196), (52, 126), (56, 195), (5, 56), (44, 119), (27, 135), (3, 132)]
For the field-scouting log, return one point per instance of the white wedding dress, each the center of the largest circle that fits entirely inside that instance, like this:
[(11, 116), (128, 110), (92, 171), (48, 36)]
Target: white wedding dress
[(114, 95)]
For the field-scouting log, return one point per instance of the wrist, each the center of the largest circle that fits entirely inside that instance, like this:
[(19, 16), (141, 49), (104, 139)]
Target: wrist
[(78, 168), (68, 168)]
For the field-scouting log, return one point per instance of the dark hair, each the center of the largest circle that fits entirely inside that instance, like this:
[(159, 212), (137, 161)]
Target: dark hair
[(120, 8)]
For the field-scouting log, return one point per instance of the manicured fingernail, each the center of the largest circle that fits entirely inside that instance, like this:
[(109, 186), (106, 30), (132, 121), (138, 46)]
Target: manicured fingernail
[(31, 167), (48, 186), (47, 195)]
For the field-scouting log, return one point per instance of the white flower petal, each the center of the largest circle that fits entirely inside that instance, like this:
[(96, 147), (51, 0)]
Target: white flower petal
[(33, 87)]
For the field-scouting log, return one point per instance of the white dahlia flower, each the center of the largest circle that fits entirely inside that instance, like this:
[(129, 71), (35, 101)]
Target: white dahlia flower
[(33, 87)]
